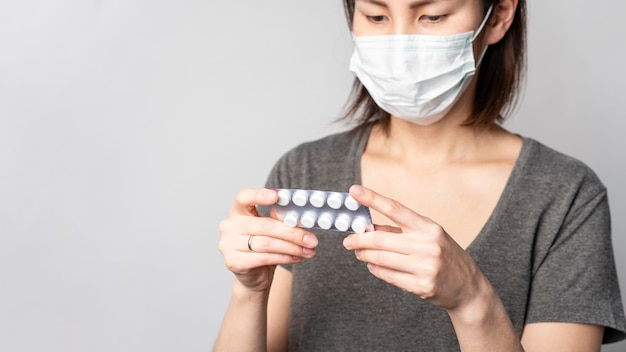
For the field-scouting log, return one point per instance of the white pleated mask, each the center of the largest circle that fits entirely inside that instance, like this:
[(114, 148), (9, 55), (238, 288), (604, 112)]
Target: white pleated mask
[(416, 77)]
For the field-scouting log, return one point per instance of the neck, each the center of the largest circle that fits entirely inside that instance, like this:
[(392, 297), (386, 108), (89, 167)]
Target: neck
[(447, 141)]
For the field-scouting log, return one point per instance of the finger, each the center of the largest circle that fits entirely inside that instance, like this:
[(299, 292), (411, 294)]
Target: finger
[(273, 214), (387, 259), (408, 282), (241, 263), (272, 245), (387, 228), (248, 199), (272, 228), (395, 211), (377, 240)]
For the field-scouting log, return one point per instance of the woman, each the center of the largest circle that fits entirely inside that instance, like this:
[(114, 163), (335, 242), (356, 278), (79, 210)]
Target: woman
[(484, 240)]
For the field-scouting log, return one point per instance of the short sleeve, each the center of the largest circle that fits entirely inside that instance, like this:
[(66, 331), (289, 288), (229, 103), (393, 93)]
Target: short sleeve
[(576, 279)]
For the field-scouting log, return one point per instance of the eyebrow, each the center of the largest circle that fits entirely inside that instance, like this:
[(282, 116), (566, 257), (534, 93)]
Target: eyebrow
[(413, 5)]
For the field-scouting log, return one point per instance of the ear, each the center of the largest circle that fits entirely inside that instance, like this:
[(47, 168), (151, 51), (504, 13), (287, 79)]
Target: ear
[(500, 21)]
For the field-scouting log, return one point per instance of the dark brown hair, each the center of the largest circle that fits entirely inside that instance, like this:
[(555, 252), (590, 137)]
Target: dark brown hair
[(498, 84)]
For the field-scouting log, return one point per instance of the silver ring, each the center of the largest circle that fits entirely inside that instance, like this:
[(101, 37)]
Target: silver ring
[(250, 243)]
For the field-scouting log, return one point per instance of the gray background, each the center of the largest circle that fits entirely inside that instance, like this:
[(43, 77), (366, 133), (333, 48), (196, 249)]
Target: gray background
[(127, 127)]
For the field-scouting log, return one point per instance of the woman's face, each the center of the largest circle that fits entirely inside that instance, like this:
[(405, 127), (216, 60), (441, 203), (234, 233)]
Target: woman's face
[(432, 17)]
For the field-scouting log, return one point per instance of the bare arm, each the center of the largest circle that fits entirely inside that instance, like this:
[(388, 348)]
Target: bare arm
[(257, 319), (278, 311), (544, 337), (482, 323), (245, 323)]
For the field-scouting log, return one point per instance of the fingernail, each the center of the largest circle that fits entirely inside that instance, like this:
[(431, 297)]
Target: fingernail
[(310, 240), (358, 190), (308, 251), (347, 242), (269, 195)]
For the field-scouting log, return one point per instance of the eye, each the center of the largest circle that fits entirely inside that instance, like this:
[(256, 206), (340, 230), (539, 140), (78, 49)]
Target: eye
[(377, 19), (432, 19)]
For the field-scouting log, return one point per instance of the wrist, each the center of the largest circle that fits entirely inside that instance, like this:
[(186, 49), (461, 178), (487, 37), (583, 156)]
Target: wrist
[(476, 309), (242, 293), (482, 323)]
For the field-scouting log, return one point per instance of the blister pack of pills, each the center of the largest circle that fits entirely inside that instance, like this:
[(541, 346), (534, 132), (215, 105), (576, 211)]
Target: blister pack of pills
[(321, 209)]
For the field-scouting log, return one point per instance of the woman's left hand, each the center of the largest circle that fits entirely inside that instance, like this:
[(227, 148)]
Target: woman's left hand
[(418, 257)]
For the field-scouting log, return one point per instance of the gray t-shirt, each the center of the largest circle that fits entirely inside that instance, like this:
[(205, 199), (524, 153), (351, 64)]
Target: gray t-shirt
[(546, 249)]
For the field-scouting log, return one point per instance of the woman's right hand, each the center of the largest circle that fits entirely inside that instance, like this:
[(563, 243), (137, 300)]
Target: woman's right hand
[(272, 242)]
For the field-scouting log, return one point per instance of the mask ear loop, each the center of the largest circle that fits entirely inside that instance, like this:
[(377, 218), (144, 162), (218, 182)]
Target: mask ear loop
[(483, 23), (480, 28)]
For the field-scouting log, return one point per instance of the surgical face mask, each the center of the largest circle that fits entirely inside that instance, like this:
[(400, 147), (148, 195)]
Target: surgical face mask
[(416, 77)]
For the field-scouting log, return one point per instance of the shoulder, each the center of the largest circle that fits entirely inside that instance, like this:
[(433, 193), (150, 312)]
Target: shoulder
[(553, 193), (560, 198), (546, 167)]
